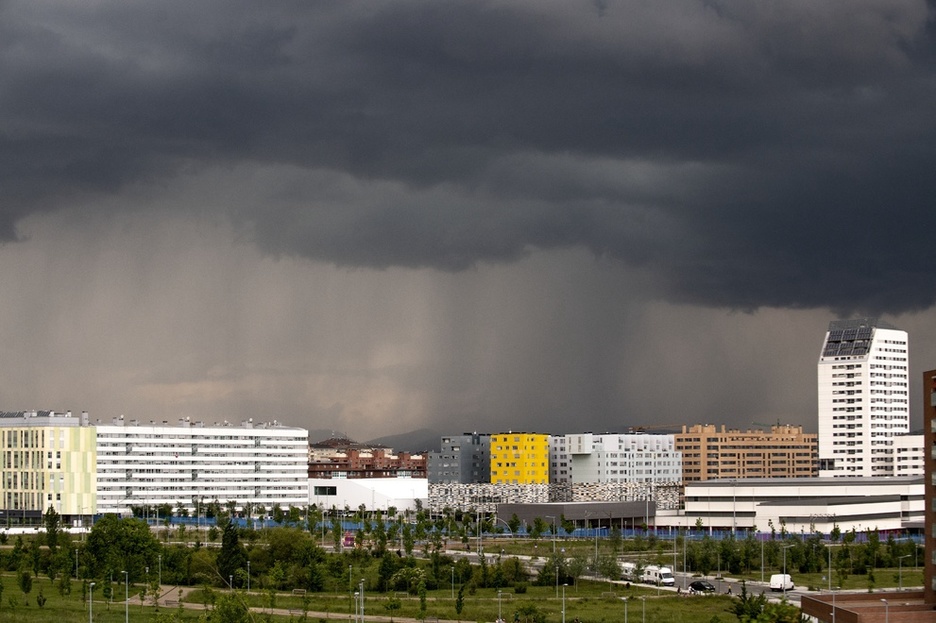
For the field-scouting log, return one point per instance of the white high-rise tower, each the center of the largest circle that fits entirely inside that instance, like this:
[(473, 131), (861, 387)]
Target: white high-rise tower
[(863, 397)]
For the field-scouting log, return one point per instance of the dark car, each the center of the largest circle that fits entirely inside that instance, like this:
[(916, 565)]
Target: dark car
[(701, 586)]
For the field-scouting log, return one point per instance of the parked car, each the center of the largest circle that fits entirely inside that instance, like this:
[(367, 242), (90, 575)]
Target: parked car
[(702, 587)]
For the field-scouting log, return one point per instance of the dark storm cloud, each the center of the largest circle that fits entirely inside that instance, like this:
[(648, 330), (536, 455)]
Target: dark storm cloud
[(747, 154)]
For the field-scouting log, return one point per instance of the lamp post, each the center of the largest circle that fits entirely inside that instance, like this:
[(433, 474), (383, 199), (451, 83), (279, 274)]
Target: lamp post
[(499, 618), (126, 597), (625, 610), (453, 581), (597, 530), (563, 603), (886, 611), (643, 598), (160, 571), (362, 600), (761, 558), (248, 576), (785, 548), (91, 602), (900, 570), (357, 606)]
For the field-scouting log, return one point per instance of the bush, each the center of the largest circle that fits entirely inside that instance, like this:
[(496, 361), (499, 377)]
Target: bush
[(520, 588)]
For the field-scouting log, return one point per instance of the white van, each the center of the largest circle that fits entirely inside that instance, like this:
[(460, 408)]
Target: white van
[(661, 576), (781, 582)]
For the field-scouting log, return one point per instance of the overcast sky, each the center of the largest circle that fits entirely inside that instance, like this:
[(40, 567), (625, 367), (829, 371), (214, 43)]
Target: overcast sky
[(553, 216)]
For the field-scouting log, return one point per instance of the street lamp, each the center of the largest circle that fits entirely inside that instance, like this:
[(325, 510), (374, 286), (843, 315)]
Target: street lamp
[(362, 600), (900, 570), (90, 602), (453, 581), (785, 548), (499, 618), (357, 606), (643, 598), (761, 557), (126, 597), (625, 610), (563, 603), (833, 602), (886, 611), (248, 576)]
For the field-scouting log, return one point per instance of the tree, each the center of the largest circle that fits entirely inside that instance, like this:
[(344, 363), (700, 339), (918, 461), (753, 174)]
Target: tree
[(230, 609), (53, 526), (514, 524), (116, 543), (460, 600), (25, 584), (393, 604), (232, 556), (749, 607)]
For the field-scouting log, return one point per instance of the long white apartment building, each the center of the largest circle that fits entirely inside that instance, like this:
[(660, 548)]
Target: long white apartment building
[(613, 457), (863, 397), (81, 468)]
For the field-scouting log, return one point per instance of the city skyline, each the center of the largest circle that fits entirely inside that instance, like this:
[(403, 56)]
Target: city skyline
[(461, 216)]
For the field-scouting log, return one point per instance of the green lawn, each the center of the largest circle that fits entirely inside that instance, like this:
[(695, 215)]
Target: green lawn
[(589, 602)]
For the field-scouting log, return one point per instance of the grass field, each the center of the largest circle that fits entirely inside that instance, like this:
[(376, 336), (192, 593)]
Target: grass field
[(589, 602)]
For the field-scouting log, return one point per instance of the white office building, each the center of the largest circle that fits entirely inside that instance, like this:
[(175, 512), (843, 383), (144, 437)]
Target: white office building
[(83, 468), (863, 398), (612, 457), (908, 455), (801, 505), (191, 463)]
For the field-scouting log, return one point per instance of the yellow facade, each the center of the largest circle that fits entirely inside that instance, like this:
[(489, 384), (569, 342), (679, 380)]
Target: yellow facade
[(45, 466), (520, 458)]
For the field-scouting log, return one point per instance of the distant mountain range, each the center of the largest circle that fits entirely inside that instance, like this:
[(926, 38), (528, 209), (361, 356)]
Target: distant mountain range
[(414, 442), (417, 441)]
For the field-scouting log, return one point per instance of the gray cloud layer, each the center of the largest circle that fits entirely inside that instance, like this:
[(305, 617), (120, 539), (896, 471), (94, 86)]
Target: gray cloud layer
[(747, 154)]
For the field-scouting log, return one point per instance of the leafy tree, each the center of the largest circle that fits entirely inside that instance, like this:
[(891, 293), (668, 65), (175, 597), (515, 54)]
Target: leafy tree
[(568, 526), (116, 543), (53, 527), (460, 600), (514, 524), (393, 604), (576, 566), (230, 609), (232, 556), (336, 530), (25, 580), (748, 607), (278, 514)]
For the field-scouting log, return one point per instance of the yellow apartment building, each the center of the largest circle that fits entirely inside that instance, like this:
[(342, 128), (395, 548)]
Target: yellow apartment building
[(520, 458)]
